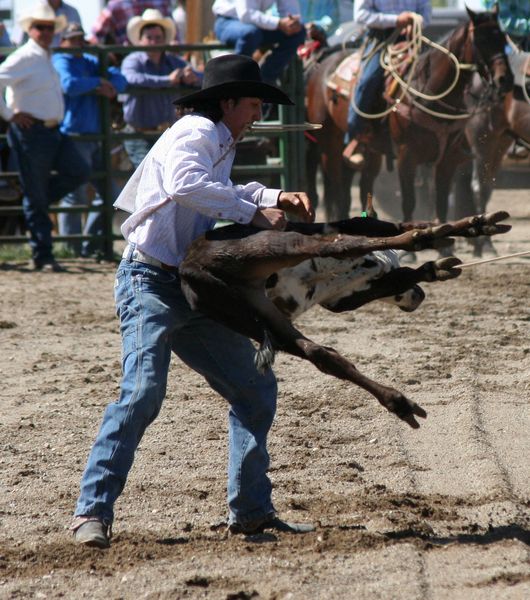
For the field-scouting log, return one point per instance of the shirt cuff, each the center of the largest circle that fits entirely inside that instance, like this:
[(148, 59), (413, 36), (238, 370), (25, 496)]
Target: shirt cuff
[(269, 198)]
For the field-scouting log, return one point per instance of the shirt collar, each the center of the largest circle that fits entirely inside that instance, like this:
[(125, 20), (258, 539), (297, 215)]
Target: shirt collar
[(32, 45)]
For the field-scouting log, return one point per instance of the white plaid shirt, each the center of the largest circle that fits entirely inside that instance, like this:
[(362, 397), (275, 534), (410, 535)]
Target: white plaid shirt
[(382, 14), (182, 188)]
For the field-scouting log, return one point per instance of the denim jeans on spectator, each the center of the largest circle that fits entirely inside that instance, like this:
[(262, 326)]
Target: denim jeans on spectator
[(137, 148), (71, 223), (246, 38), (37, 151), (155, 321)]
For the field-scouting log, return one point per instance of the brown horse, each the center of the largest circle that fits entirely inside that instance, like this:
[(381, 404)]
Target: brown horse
[(419, 137), (489, 133)]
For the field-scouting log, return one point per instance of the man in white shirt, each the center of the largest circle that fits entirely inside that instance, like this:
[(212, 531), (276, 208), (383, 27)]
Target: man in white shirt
[(177, 193), (248, 25), (34, 108)]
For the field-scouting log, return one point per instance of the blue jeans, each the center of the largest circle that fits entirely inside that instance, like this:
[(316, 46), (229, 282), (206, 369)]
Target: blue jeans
[(38, 151), (156, 320), (367, 91), (246, 38), (70, 223), (136, 148)]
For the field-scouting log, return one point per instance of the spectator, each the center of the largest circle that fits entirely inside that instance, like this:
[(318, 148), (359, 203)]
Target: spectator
[(82, 84), (153, 69), (247, 26), (179, 16), (34, 108), (111, 25), (514, 17), (381, 17), (70, 13), (327, 14)]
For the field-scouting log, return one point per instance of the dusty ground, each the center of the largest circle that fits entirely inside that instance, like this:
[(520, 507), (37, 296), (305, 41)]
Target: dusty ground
[(442, 512)]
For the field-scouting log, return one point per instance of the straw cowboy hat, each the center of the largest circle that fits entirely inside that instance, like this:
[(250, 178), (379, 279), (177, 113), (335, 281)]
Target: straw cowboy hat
[(150, 16), (234, 76), (42, 11)]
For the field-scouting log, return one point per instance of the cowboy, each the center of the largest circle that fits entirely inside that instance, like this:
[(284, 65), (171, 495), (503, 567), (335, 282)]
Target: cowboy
[(248, 25), (111, 25), (34, 109), (69, 12), (382, 18), (179, 191), (152, 69)]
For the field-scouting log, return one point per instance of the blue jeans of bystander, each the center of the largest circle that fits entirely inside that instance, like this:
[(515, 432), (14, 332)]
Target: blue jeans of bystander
[(70, 223), (155, 321), (246, 38), (38, 151)]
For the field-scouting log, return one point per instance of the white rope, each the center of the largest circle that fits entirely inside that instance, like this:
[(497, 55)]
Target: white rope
[(488, 260), (391, 59)]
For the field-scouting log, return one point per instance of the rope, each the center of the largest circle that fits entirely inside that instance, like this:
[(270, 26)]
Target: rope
[(391, 59), (495, 258)]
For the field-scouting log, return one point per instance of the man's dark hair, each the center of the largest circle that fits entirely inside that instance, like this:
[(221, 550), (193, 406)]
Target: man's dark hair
[(211, 109)]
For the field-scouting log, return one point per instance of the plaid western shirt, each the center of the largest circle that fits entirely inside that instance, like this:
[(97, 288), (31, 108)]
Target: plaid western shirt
[(382, 14), (514, 17), (113, 19)]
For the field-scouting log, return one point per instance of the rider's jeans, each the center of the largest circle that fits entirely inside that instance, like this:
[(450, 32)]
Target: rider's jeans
[(367, 91), (156, 320), (246, 38)]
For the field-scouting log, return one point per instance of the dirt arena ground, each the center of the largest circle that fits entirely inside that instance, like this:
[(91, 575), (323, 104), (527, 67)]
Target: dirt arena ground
[(438, 513)]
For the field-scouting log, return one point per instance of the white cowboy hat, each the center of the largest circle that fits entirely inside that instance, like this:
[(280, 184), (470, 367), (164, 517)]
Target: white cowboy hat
[(42, 11), (151, 16)]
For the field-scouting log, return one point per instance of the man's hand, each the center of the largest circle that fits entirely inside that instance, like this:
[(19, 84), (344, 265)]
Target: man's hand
[(269, 218), (184, 76), (105, 88), (405, 19), (23, 120), (298, 204), (290, 24)]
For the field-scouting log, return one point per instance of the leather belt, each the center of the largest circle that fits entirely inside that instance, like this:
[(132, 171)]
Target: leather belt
[(48, 123), (139, 256)]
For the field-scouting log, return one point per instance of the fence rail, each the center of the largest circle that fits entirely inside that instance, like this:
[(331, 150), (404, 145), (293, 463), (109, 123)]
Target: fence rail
[(289, 165)]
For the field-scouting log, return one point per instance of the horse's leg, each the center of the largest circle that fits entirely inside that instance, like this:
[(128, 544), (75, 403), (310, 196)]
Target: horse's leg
[(463, 191), (407, 170), (312, 162), (369, 173), (337, 181)]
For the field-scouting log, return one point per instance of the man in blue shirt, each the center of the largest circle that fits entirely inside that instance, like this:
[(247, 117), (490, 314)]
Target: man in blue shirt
[(154, 112), (82, 85)]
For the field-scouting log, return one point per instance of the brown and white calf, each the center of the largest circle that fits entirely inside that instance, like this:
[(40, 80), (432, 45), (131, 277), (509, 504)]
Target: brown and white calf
[(225, 275)]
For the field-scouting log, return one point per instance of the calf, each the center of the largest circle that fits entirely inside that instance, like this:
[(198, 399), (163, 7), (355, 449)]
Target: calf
[(225, 273)]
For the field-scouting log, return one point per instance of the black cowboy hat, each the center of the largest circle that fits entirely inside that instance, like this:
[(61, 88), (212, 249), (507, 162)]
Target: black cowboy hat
[(234, 76)]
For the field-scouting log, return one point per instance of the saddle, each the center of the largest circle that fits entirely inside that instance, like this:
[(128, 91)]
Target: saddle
[(342, 81)]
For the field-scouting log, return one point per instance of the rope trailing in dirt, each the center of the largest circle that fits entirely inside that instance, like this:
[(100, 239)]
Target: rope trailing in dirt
[(487, 260)]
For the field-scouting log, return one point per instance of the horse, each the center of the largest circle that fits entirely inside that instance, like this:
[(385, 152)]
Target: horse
[(418, 136), (489, 133)]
